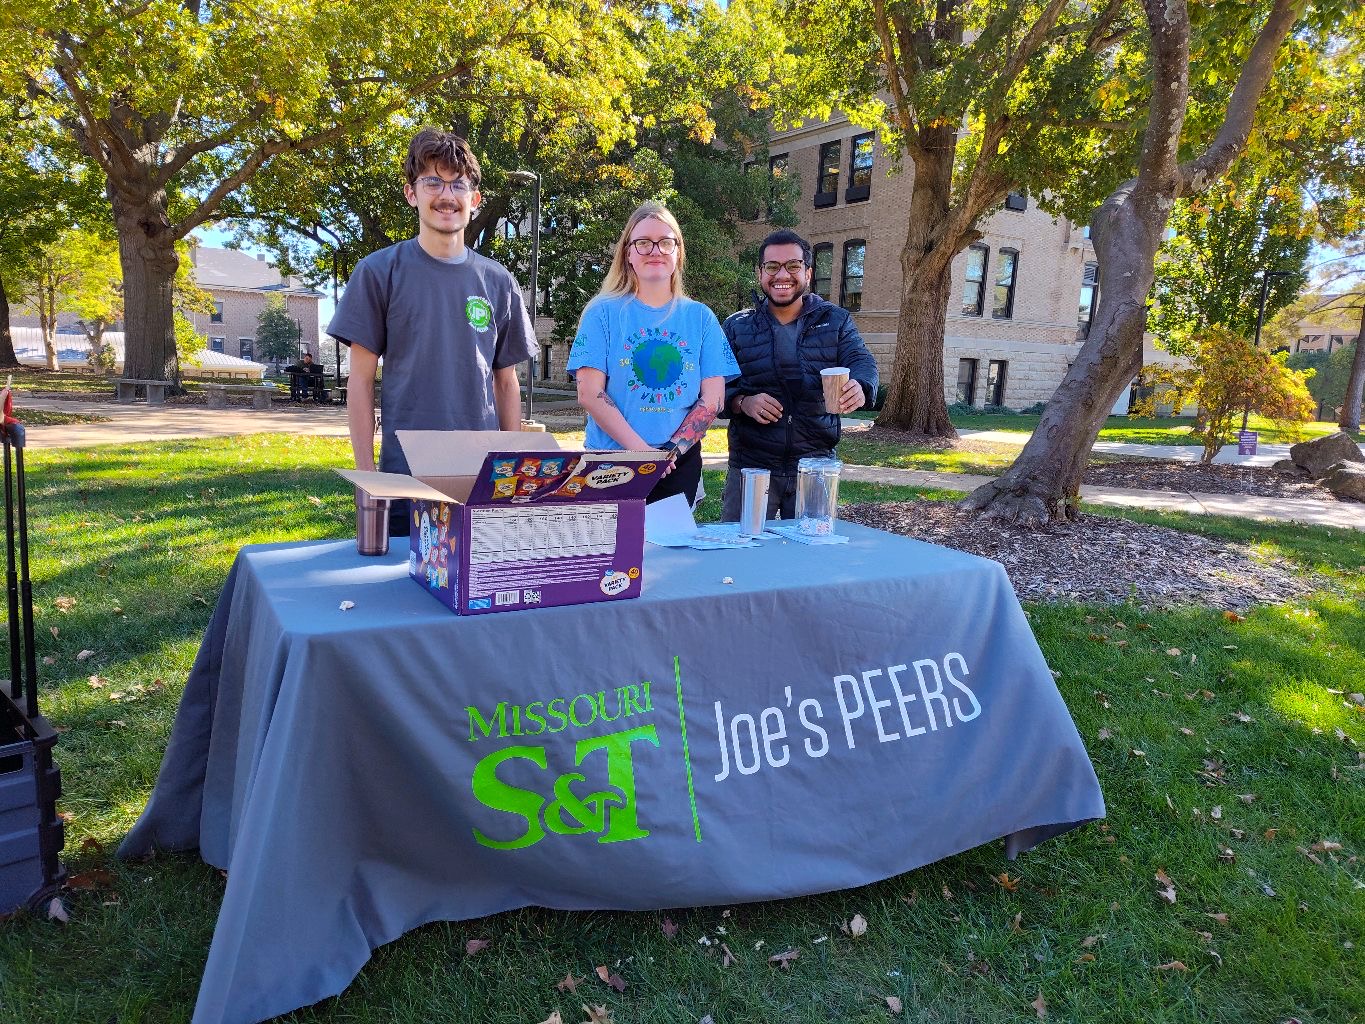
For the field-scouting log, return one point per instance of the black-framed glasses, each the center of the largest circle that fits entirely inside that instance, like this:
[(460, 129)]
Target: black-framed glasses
[(792, 267), (434, 186), (644, 246)]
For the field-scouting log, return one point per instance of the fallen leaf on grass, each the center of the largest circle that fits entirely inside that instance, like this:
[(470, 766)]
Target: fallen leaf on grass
[(1186, 732), (1310, 855), (1174, 652), (1040, 1005), (1091, 941), (1167, 887), (554, 1018), (49, 659), (598, 1014), (1242, 717), (893, 1004), (857, 928), (56, 633), (1232, 617), (614, 980), (476, 946), (63, 604), (570, 983), (1105, 734), (1216, 812), (785, 959), (1017, 925), (85, 654), (727, 958), (670, 929), (95, 878), (1218, 918), (92, 846), (1006, 882), (1247, 798), (1271, 833), (1174, 965), (1085, 958), (97, 682), (1325, 846), (56, 911), (1226, 855)]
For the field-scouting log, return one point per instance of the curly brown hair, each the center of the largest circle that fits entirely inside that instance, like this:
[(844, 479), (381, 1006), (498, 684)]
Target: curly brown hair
[(447, 151)]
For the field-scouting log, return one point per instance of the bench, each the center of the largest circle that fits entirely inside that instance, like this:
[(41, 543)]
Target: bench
[(125, 390), (261, 394)]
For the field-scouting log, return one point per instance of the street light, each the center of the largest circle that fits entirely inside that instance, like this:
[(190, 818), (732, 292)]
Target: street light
[(1266, 275), (532, 178)]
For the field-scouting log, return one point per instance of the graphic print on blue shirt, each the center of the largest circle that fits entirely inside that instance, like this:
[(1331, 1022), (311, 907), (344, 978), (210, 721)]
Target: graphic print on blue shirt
[(655, 360)]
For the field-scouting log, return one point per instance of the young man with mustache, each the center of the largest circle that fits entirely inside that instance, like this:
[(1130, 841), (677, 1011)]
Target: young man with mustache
[(450, 323)]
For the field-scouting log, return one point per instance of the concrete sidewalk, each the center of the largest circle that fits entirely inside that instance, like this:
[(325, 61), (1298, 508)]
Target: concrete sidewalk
[(133, 423), (1266, 454)]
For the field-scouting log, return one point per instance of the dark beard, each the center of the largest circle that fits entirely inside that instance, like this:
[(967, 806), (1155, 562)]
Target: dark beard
[(800, 294)]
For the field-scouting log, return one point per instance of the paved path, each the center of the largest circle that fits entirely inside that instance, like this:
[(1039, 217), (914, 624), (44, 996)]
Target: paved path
[(132, 423), (1266, 454)]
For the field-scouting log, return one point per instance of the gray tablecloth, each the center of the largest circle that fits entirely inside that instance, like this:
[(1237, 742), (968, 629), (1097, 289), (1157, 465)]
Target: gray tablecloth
[(762, 723)]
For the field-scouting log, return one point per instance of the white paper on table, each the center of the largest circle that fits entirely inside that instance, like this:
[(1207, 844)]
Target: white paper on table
[(794, 533), (669, 524)]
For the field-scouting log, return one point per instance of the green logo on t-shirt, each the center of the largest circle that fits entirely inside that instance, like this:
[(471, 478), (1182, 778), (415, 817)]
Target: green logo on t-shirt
[(479, 313)]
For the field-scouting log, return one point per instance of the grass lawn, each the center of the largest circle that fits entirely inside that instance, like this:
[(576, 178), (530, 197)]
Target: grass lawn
[(38, 381), (1226, 758)]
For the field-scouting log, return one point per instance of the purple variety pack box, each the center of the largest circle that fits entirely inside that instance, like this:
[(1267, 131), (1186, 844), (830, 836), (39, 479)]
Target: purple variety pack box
[(507, 520)]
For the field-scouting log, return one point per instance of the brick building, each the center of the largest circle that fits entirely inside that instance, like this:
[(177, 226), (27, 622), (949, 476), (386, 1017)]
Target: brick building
[(1021, 298), (241, 284)]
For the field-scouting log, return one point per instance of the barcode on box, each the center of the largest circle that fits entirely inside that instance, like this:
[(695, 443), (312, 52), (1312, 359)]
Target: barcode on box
[(507, 597)]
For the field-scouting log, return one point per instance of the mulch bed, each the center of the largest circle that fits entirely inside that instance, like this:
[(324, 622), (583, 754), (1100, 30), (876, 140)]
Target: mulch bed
[(1099, 559), (1173, 475)]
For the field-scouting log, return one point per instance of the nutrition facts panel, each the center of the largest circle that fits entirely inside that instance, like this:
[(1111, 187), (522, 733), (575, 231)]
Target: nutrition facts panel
[(521, 534)]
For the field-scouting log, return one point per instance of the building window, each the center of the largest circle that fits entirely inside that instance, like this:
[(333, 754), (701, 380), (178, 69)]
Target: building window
[(859, 169), (974, 288), (246, 348), (1335, 342), (822, 280), (851, 295), (777, 171), (216, 317), (827, 187), (966, 381), (1016, 201), (995, 382), (1090, 290), (1006, 265), (216, 344), (545, 353)]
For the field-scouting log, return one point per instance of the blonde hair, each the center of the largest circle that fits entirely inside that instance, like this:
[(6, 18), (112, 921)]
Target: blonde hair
[(620, 279)]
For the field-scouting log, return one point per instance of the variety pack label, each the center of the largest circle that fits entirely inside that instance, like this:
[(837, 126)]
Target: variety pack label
[(538, 529)]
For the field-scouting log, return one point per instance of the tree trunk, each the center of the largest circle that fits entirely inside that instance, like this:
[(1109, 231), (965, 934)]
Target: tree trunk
[(1355, 385), (149, 261), (7, 357), (1043, 484), (914, 399), (47, 323)]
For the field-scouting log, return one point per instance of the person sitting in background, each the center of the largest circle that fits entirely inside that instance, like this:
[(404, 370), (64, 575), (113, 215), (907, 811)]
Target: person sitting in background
[(303, 376)]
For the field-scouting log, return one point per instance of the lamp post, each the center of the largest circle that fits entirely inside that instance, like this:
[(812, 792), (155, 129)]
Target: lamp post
[(1266, 275), (532, 178)]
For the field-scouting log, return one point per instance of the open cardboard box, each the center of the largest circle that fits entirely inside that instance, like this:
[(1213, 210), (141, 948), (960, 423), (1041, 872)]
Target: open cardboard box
[(502, 520)]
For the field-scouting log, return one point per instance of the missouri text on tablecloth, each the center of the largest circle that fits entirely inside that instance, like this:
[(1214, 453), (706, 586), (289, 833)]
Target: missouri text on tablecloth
[(830, 717)]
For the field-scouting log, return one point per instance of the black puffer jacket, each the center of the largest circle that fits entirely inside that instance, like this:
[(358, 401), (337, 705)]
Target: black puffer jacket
[(828, 338)]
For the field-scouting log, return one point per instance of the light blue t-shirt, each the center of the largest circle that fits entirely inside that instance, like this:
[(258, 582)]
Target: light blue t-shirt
[(654, 360)]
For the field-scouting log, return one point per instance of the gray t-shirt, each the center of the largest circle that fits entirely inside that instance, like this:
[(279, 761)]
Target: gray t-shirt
[(442, 328), (788, 358)]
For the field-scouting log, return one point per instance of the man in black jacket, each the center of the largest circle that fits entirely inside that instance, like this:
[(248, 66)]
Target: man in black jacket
[(777, 403)]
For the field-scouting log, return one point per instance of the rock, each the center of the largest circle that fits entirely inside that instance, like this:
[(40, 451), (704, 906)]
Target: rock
[(1321, 453), (1346, 480), (1290, 466)]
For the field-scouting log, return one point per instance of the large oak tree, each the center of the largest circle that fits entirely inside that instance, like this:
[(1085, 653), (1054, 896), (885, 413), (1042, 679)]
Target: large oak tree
[(181, 102), (1185, 147)]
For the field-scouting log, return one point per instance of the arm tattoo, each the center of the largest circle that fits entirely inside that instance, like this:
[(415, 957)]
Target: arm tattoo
[(606, 398), (693, 427)]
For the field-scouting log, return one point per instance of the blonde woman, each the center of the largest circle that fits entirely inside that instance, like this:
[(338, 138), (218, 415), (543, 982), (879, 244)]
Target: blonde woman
[(650, 363)]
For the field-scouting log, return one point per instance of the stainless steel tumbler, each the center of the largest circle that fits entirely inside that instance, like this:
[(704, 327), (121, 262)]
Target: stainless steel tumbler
[(371, 524), (754, 510)]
